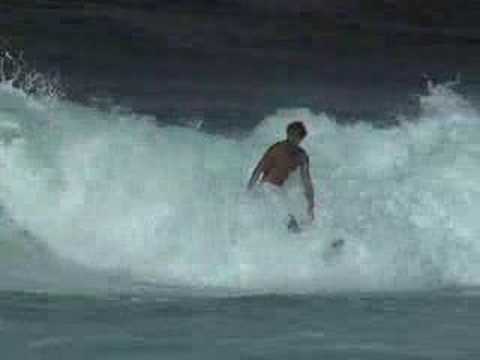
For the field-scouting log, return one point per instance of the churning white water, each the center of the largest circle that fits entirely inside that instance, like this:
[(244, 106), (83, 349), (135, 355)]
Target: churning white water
[(113, 191)]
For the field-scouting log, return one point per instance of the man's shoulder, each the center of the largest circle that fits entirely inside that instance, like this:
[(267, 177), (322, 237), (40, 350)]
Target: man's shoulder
[(277, 145), (283, 147), (302, 151), (280, 143)]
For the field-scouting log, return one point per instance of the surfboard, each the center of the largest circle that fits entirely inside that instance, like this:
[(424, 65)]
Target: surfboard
[(335, 246)]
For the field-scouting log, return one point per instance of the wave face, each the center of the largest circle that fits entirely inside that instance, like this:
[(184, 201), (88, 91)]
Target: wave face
[(91, 191)]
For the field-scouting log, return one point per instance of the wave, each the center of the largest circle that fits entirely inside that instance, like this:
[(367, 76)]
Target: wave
[(111, 192)]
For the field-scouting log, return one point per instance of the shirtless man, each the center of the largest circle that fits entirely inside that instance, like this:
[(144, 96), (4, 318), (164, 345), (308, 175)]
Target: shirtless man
[(283, 158)]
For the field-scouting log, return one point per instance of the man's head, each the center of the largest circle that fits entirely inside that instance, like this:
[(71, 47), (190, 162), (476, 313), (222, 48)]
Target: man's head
[(296, 132)]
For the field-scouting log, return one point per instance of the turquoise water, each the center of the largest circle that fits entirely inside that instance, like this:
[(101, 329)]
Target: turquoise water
[(427, 325)]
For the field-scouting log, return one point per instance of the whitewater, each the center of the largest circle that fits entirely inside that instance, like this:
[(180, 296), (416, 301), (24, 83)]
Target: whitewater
[(87, 193), (123, 236)]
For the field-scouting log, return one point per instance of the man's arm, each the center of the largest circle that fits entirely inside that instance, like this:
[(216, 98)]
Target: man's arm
[(256, 173), (308, 186), (260, 168)]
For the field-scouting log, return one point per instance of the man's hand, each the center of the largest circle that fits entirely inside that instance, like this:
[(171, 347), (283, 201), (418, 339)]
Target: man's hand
[(311, 213)]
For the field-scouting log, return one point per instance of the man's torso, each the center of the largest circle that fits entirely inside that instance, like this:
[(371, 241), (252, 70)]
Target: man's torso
[(281, 160)]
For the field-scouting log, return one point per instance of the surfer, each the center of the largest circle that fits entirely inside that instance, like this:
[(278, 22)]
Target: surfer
[(280, 160)]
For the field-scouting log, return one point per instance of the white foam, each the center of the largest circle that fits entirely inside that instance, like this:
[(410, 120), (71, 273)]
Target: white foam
[(113, 191)]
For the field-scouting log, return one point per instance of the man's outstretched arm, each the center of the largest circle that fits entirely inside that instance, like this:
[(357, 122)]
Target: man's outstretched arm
[(308, 186), (260, 168), (256, 173)]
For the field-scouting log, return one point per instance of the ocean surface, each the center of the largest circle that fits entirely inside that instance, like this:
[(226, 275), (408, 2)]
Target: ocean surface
[(125, 228)]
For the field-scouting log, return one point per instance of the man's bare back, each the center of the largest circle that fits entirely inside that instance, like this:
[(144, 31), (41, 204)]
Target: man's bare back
[(283, 158), (280, 161)]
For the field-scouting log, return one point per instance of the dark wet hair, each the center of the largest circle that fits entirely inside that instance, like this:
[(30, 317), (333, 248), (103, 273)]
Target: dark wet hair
[(296, 128)]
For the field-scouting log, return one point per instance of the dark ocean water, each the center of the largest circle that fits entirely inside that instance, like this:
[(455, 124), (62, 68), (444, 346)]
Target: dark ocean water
[(439, 325), (127, 134), (232, 67)]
